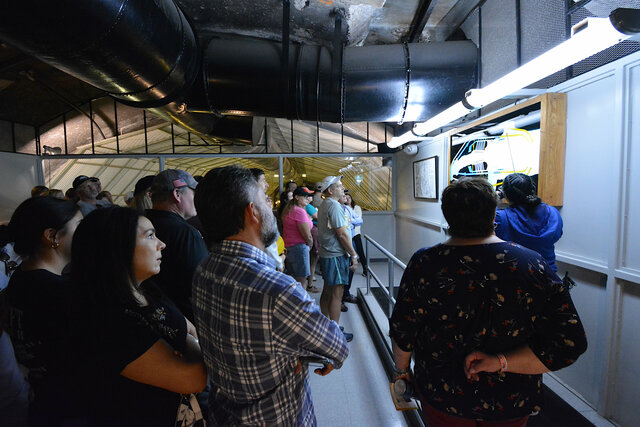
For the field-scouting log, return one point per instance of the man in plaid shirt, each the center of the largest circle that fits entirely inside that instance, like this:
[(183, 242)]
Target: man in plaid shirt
[(256, 325)]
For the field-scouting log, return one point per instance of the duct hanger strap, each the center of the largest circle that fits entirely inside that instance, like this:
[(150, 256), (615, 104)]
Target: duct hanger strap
[(337, 61), (284, 73), (407, 84)]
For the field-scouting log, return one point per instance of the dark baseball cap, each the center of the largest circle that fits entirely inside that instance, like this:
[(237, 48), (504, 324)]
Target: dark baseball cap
[(143, 184), (302, 191), (81, 179), (171, 179)]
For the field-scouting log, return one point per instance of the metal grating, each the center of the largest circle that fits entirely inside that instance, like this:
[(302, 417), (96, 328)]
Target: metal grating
[(602, 8), (542, 24)]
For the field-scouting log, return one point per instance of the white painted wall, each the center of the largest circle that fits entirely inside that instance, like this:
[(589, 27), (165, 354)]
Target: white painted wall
[(380, 226), (419, 223), (600, 247), (19, 173)]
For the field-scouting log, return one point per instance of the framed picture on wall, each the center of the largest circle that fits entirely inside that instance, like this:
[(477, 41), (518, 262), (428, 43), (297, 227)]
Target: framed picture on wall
[(425, 179)]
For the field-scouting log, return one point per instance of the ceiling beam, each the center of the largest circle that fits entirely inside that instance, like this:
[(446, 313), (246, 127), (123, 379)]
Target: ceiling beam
[(453, 19), (423, 12)]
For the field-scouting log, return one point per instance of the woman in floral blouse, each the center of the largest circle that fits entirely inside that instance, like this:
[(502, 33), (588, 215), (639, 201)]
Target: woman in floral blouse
[(483, 318)]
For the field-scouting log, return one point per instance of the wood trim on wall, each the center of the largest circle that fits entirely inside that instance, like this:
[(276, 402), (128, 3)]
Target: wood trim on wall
[(553, 135)]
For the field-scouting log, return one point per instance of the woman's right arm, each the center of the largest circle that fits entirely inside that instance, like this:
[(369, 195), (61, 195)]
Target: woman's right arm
[(161, 367), (304, 228)]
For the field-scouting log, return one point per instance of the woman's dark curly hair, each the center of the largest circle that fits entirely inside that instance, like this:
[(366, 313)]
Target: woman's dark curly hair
[(520, 190), (469, 206)]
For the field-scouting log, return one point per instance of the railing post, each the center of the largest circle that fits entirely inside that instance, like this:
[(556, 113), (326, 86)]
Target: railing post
[(366, 255), (391, 268)]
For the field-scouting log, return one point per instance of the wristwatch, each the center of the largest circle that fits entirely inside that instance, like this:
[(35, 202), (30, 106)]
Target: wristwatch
[(354, 256)]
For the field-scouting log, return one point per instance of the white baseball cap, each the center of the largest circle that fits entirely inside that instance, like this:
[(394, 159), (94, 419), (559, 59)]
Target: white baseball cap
[(328, 181)]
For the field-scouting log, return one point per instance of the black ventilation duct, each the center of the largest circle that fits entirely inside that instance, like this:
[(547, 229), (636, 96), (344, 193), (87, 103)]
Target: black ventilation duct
[(145, 54), (386, 83), (138, 51)]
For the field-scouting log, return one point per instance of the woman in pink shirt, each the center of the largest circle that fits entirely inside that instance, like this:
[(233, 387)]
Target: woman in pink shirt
[(296, 232)]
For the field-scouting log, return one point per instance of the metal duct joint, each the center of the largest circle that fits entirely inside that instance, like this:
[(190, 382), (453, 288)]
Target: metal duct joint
[(243, 75)]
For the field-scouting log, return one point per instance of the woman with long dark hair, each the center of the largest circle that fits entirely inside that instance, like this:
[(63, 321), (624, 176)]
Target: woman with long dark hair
[(132, 356), (41, 229), (527, 220)]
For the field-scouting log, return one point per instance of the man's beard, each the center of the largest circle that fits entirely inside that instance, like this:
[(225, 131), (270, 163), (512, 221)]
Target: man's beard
[(269, 229)]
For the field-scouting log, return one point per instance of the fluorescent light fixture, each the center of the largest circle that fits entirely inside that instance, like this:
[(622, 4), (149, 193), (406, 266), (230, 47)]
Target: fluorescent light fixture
[(589, 36), (410, 136), (447, 116)]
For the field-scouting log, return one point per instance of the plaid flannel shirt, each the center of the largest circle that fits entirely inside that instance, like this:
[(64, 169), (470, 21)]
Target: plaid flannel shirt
[(254, 323)]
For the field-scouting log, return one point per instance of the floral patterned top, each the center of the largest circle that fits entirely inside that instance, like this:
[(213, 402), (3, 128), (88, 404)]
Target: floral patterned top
[(492, 298)]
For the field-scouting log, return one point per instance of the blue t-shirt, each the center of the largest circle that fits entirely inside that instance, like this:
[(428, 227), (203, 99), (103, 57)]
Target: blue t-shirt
[(311, 210)]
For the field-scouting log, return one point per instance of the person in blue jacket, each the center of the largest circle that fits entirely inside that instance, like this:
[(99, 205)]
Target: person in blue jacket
[(527, 221)]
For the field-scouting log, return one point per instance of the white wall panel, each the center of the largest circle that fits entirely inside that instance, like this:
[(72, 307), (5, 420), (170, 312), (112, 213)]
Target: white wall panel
[(419, 221), (590, 170), (626, 401), (630, 256), (413, 235), (589, 297), (428, 210), (380, 226), (19, 174)]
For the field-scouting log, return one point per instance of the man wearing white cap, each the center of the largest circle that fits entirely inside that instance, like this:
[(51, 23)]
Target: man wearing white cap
[(337, 255)]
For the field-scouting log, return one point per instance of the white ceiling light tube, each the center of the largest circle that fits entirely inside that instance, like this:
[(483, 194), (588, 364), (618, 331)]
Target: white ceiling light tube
[(447, 116), (439, 120), (590, 36), (397, 141)]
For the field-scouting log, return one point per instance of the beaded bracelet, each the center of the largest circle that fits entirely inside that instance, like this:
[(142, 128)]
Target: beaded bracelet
[(503, 363)]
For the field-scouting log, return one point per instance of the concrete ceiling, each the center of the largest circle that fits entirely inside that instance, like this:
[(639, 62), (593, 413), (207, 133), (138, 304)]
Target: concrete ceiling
[(367, 22)]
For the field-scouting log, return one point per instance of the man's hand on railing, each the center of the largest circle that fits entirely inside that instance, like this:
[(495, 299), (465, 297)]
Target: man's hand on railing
[(354, 263)]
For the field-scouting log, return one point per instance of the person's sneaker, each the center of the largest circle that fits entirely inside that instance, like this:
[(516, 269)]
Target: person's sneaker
[(351, 299), (348, 336), (343, 308)]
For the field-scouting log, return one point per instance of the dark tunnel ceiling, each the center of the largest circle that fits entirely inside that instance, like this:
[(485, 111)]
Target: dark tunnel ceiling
[(33, 93)]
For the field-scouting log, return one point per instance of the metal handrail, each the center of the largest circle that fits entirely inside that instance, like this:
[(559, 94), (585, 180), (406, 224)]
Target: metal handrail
[(390, 266), (385, 252), (384, 348)]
